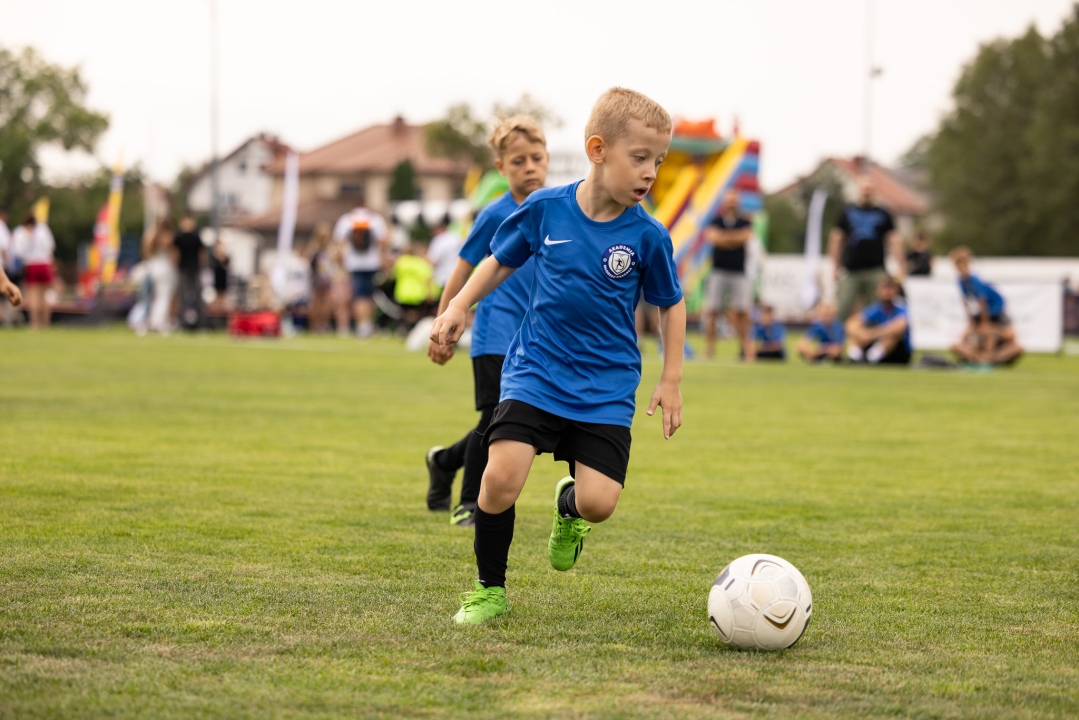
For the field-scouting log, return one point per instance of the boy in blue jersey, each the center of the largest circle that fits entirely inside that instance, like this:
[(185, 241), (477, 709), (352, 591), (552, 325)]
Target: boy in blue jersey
[(520, 152), (571, 374), (989, 338), (823, 339), (769, 336), (880, 334)]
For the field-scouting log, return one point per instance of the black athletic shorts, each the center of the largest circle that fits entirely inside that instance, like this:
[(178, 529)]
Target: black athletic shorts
[(601, 447), (487, 377), (900, 355)]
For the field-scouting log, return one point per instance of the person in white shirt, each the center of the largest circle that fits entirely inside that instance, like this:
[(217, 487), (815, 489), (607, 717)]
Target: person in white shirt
[(365, 237), (442, 252), (34, 245)]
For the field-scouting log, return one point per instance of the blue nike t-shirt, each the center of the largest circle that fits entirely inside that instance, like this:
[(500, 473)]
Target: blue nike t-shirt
[(826, 333), (576, 353), (499, 315), (975, 290), (879, 314)]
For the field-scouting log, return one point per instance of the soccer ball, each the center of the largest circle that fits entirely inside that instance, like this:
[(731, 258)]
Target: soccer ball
[(760, 602)]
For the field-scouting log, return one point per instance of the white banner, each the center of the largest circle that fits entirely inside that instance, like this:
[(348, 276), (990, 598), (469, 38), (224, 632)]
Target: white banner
[(287, 229), (937, 317), (812, 290)]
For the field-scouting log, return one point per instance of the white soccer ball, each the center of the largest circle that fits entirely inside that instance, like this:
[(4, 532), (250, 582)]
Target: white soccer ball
[(760, 602)]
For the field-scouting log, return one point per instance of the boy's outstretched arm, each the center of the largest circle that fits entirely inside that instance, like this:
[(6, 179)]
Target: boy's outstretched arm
[(461, 271), (668, 393), (449, 326), (9, 289)]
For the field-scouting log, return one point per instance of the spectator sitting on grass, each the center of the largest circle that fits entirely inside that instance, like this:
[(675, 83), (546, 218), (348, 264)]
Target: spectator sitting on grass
[(823, 339), (769, 336), (989, 338), (880, 334)]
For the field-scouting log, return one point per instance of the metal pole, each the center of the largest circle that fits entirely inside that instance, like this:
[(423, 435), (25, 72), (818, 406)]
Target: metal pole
[(870, 72), (215, 194)]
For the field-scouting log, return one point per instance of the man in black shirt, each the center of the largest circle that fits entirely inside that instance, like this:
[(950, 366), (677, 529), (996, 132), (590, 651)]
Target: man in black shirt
[(857, 247), (728, 286), (190, 259)]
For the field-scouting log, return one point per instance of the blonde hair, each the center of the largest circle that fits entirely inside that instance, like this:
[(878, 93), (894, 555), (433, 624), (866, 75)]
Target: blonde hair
[(961, 253), (508, 129), (615, 108)]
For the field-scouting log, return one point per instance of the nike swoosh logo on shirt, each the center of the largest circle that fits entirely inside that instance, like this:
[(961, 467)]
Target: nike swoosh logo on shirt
[(548, 241)]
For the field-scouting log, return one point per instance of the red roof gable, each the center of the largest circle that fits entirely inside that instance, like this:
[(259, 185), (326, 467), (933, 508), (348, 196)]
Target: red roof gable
[(891, 192), (376, 149)]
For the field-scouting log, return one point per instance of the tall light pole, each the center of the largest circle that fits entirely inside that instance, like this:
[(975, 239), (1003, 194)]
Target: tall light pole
[(871, 72), (215, 194)]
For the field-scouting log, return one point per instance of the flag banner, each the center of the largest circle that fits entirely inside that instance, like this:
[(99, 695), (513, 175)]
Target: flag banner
[(110, 249), (811, 290), (287, 228)]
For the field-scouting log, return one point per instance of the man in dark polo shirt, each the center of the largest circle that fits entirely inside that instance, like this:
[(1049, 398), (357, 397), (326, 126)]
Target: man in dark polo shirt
[(190, 259), (858, 244), (728, 286)]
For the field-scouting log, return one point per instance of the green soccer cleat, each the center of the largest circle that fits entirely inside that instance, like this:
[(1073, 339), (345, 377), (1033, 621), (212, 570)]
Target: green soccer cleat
[(464, 515), (567, 535), (481, 605)]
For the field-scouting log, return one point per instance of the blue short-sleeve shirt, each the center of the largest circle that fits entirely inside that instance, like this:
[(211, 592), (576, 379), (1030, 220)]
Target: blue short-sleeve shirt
[(576, 353), (878, 314), (499, 315), (826, 333), (975, 290)]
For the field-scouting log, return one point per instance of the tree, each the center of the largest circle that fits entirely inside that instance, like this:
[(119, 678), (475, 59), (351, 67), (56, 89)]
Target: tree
[(403, 184), (40, 105), (73, 209), (461, 135), (1003, 160), (787, 216)]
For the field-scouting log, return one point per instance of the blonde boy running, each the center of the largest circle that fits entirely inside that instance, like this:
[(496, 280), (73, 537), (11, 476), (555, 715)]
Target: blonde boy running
[(571, 374), (520, 150)]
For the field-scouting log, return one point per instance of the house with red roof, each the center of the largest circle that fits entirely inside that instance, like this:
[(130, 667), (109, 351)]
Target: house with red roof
[(909, 205), (358, 170)]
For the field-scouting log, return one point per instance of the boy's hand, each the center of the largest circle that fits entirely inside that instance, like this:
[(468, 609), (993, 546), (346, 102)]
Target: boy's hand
[(12, 292), (438, 354), (667, 395), (448, 327)]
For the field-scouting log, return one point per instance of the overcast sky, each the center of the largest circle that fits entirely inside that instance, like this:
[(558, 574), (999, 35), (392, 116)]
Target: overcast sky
[(791, 71)]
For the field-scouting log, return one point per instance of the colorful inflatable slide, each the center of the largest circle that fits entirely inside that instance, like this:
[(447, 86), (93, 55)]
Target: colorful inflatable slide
[(699, 170)]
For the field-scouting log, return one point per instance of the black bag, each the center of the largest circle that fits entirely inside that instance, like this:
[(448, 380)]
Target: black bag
[(361, 237)]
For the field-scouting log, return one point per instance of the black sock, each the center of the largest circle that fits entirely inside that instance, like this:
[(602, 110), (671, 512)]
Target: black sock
[(567, 502), (452, 459), (475, 460), (494, 533)]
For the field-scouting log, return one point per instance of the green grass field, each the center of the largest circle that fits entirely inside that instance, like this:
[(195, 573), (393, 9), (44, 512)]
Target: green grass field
[(197, 527)]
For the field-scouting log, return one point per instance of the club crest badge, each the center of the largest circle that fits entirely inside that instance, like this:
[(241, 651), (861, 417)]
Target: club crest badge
[(619, 261)]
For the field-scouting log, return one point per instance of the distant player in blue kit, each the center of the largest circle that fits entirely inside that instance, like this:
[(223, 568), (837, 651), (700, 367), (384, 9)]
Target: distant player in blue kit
[(520, 151), (823, 339), (571, 374), (989, 338), (769, 336)]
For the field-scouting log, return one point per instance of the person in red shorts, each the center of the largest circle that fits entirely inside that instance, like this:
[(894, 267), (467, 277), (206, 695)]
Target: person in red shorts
[(34, 245)]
